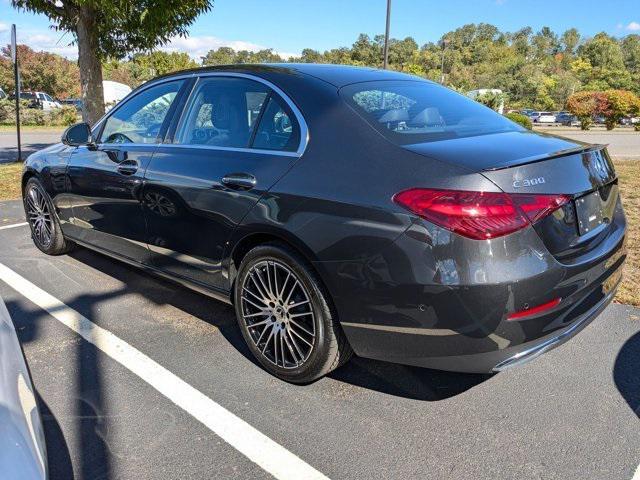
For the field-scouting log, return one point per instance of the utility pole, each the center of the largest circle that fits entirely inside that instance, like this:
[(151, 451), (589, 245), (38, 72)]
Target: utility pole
[(444, 48), (16, 76), (386, 37)]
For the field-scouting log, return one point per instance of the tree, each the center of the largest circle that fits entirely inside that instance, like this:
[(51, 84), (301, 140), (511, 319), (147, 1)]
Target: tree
[(618, 104), (221, 56), (41, 71), (104, 28), (570, 40)]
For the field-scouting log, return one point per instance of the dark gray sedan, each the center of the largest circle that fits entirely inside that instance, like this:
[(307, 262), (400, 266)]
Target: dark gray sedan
[(343, 210)]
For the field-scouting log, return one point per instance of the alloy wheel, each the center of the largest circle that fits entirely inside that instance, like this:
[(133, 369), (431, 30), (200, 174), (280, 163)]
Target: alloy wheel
[(277, 311), (40, 218)]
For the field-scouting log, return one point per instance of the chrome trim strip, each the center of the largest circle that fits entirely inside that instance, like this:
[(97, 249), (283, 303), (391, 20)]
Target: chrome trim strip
[(304, 129)]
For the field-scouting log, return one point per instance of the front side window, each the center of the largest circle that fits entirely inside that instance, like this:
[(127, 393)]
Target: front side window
[(140, 118), (409, 112), (222, 112), (278, 129)]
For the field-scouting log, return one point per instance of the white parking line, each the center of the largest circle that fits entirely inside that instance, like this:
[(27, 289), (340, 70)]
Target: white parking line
[(636, 476), (13, 225), (257, 447)]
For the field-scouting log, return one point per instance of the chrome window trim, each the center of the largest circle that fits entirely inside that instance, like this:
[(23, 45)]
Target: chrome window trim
[(304, 129)]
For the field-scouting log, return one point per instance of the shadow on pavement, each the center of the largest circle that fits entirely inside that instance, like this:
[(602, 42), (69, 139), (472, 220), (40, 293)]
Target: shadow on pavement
[(626, 372), (58, 457), (399, 380), (406, 381), (10, 154), (90, 411)]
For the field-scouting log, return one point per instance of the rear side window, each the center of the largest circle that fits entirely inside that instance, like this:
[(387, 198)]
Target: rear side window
[(278, 128), (222, 112), (409, 112)]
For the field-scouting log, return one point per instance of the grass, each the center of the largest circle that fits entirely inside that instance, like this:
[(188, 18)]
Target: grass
[(629, 174), (10, 180), (33, 128), (628, 171)]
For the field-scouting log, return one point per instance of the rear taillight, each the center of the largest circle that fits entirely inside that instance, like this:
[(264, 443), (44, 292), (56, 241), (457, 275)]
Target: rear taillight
[(479, 215)]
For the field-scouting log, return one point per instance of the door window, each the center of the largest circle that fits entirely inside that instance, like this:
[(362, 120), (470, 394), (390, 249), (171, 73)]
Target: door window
[(222, 112), (139, 119), (278, 129)]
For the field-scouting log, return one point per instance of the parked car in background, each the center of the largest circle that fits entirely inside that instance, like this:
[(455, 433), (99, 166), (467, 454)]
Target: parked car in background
[(74, 102), (356, 210), (599, 119), (22, 443), (2, 94), (566, 118), (543, 117), (527, 111), (628, 120), (40, 100)]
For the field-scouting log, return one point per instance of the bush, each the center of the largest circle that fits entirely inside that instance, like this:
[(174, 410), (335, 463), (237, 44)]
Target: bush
[(64, 116), (521, 119), (618, 104)]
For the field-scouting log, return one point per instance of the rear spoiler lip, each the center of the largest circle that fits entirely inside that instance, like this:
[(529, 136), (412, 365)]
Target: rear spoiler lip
[(548, 156)]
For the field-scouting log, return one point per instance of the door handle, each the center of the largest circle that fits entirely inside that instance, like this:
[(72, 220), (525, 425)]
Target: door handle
[(239, 180), (128, 167)]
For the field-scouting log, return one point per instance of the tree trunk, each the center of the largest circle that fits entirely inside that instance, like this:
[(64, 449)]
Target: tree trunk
[(90, 67)]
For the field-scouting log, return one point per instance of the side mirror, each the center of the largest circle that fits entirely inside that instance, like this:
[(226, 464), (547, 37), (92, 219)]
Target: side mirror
[(77, 135)]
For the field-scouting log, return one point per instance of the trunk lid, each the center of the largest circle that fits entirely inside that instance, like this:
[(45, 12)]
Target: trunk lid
[(529, 163)]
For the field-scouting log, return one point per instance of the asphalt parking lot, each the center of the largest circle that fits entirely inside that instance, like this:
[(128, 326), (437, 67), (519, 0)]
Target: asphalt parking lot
[(140, 378)]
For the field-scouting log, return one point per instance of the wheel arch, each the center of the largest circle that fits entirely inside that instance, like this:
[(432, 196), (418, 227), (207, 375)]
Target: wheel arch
[(252, 239)]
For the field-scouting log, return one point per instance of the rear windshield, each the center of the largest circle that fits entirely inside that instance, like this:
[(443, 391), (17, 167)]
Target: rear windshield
[(409, 112)]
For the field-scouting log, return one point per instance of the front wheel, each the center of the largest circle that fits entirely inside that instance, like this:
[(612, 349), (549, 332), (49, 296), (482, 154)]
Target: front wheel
[(43, 220), (285, 315)]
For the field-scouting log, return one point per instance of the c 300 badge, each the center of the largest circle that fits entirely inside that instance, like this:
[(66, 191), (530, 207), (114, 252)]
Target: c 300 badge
[(528, 182)]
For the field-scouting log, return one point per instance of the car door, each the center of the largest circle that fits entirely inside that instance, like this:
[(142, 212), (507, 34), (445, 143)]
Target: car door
[(237, 136), (105, 179)]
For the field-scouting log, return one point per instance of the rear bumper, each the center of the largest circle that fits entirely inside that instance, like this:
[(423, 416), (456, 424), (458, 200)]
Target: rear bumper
[(532, 350)]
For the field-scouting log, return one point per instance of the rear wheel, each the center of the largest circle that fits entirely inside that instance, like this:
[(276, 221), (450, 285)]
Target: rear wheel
[(285, 315), (43, 220)]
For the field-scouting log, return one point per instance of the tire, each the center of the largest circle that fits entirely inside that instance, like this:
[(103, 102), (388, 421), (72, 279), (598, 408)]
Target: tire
[(43, 220), (290, 304)]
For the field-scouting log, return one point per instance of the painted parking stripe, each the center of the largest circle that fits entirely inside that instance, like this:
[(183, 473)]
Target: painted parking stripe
[(257, 447), (13, 225), (636, 476)]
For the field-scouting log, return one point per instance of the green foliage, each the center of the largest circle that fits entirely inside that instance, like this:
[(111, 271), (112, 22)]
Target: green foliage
[(521, 119), (124, 26), (228, 56), (142, 67), (64, 116), (493, 100)]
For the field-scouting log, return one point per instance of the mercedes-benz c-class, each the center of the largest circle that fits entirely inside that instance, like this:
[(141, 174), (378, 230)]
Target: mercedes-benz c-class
[(343, 210)]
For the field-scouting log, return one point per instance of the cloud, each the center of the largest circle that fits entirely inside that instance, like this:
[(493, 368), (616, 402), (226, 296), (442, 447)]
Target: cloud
[(195, 46), (4, 27), (198, 46), (633, 27)]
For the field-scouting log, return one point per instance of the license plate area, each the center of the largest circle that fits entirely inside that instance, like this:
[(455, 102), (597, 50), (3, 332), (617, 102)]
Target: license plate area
[(596, 209)]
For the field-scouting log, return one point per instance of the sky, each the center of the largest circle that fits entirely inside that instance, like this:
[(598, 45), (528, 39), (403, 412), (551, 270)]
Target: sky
[(288, 26)]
